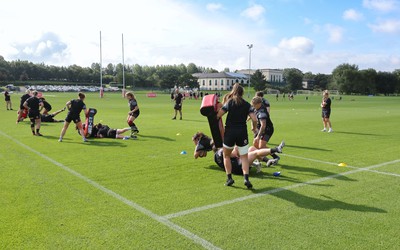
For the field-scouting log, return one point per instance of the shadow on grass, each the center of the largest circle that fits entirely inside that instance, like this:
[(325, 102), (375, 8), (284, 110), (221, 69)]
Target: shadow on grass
[(355, 133), (91, 142), (302, 147), (323, 204), (155, 137), (315, 171)]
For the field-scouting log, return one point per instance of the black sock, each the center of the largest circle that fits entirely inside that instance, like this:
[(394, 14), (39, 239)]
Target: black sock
[(37, 131), (274, 156), (246, 177), (273, 151), (229, 176)]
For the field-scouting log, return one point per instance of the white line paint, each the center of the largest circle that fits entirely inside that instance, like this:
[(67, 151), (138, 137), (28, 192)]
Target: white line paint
[(163, 220), (220, 204)]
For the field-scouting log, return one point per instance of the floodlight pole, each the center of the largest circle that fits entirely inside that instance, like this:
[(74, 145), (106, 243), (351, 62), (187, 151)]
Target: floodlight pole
[(250, 46), (123, 68)]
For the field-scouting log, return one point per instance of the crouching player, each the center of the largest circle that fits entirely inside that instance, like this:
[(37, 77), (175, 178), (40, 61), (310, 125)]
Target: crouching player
[(205, 144)]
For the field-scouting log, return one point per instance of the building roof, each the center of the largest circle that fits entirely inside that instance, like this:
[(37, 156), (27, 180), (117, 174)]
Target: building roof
[(221, 75)]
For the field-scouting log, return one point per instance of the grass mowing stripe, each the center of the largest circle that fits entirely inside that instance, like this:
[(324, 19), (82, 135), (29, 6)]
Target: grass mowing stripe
[(204, 243), (276, 190)]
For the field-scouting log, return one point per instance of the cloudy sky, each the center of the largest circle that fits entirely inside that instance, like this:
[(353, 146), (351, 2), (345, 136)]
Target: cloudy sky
[(311, 35)]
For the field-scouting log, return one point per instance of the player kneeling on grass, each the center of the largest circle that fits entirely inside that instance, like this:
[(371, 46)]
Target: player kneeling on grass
[(205, 144)]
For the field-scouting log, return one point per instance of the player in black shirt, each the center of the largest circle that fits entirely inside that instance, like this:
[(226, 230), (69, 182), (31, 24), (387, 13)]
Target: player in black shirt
[(178, 98), (7, 98), (326, 111), (133, 113), (34, 104), (75, 107), (236, 131), (46, 106)]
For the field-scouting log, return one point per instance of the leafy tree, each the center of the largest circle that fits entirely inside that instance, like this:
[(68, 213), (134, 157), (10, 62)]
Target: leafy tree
[(344, 76), (258, 81), (293, 78)]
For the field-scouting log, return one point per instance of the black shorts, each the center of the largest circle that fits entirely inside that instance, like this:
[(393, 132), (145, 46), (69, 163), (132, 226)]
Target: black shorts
[(34, 114), (267, 135), (136, 113), (326, 113), (178, 107), (74, 118), (236, 136), (112, 133)]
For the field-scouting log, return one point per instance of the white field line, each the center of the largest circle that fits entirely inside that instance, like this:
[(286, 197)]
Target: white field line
[(276, 190), (204, 243)]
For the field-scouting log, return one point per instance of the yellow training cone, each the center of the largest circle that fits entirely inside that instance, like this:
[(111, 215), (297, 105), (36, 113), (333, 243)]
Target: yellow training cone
[(342, 164)]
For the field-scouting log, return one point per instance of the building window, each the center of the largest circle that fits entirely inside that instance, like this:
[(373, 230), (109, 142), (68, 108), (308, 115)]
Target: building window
[(222, 81), (209, 83), (204, 82)]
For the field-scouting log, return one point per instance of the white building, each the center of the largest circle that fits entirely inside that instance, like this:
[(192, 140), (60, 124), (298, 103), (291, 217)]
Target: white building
[(273, 76), (220, 81)]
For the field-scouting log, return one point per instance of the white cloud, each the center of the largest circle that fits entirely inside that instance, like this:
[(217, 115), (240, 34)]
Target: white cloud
[(335, 33), (386, 26), (298, 45), (254, 12), (381, 5), (352, 15), (214, 7)]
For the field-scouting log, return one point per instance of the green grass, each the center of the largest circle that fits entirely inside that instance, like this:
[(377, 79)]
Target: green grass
[(144, 194)]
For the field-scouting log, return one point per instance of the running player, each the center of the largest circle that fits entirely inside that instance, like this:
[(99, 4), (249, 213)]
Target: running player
[(33, 104), (75, 107), (132, 114)]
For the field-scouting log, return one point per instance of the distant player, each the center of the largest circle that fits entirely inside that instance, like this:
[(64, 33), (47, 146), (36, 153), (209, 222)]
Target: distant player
[(7, 98), (132, 114), (178, 98)]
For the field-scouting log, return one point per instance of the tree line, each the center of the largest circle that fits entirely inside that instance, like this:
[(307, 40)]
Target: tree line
[(346, 78)]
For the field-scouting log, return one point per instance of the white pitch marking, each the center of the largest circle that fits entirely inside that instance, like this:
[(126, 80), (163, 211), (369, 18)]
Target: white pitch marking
[(204, 243), (220, 204)]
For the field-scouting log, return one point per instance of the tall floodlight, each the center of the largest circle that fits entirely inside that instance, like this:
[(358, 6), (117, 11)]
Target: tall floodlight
[(123, 68), (250, 46), (101, 70)]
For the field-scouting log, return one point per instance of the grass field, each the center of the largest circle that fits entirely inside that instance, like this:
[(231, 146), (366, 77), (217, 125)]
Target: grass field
[(145, 194)]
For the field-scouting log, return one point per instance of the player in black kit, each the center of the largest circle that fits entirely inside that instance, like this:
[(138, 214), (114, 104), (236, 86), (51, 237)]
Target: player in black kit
[(75, 107), (236, 131), (34, 104), (132, 114), (178, 98)]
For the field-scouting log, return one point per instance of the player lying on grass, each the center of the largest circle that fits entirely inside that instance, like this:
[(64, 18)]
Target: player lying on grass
[(205, 144), (104, 131), (50, 117)]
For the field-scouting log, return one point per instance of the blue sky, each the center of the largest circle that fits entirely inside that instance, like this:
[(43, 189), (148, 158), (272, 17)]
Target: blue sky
[(311, 35)]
